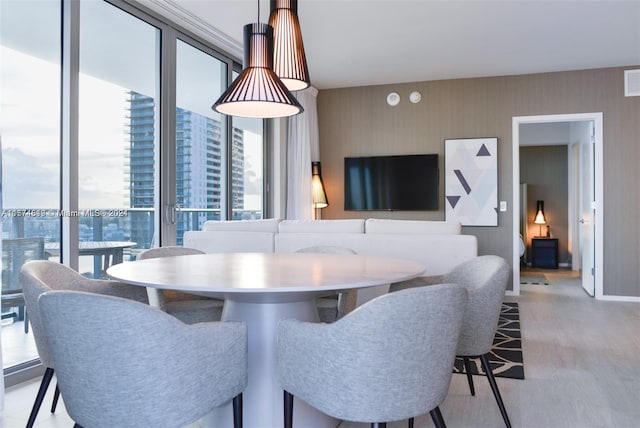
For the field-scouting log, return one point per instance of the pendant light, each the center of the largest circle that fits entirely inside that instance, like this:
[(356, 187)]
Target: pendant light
[(257, 92), (289, 60)]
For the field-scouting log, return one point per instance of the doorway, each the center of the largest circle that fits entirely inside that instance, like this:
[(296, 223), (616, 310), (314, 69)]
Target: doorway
[(585, 226)]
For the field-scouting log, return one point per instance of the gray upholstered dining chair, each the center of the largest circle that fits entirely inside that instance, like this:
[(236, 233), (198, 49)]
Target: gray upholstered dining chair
[(367, 366), (188, 308), (485, 278), (108, 366), (37, 277), (331, 308)]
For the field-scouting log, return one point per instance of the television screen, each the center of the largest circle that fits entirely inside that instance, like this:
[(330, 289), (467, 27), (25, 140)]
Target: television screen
[(387, 183)]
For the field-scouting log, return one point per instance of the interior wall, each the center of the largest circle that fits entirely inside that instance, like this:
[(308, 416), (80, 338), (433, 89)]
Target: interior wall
[(359, 122), (545, 170)]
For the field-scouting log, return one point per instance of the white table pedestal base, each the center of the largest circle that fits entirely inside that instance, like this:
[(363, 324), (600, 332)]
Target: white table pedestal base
[(262, 400)]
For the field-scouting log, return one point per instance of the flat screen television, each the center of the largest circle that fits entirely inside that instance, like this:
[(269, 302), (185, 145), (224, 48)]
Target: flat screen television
[(391, 183)]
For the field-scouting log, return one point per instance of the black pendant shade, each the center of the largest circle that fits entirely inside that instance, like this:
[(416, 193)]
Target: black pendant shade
[(258, 92), (289, 60)]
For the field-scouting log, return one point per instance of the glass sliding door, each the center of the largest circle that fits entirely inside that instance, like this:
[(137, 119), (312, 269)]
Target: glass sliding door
[(30, 136), (212, 165), (201, 140), (119, 106)]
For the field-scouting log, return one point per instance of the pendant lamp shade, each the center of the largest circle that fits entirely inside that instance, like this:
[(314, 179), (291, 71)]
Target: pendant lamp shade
[(289, 60), (257, 92), (540, 218)]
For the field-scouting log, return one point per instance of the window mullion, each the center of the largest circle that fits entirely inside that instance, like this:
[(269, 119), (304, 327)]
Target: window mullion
[(70, 74), (167, 162)]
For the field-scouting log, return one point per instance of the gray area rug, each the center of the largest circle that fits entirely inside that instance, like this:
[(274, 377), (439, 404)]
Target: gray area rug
[(533, 278)]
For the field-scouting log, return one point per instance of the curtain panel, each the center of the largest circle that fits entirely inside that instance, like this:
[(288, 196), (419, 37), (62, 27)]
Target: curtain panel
[(303, 147)]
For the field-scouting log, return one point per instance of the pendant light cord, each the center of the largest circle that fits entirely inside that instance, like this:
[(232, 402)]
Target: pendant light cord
[(258, 11)]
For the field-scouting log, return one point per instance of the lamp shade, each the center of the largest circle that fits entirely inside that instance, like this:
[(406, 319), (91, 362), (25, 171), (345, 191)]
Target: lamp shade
[(257, 92), (289, 60), (317, 187), (540, 218)]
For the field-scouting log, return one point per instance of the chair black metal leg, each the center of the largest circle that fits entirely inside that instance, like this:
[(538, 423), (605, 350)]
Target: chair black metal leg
[(410, 423), (494, 388), (467, 369), (26, 321), (288, 410), (237, 411), (436, 417), (56, 395), (46, 379)]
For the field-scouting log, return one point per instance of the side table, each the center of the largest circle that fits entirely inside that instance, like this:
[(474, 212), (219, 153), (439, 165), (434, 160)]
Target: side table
[(544, 253)]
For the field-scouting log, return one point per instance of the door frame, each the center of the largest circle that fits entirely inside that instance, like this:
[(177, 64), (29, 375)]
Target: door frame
[(596, 117)]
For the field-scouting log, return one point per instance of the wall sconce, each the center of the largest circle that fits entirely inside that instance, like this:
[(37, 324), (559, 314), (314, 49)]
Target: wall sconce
[(540, 218), (317, 189)]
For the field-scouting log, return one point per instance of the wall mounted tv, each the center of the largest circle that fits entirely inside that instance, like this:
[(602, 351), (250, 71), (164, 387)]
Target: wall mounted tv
[(391, 183)]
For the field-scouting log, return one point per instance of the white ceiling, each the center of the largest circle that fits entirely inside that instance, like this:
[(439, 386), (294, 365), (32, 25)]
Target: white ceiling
[(357, 42)]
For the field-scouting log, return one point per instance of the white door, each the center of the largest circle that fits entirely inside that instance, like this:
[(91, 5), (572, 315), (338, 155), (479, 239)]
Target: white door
[(586, 205)]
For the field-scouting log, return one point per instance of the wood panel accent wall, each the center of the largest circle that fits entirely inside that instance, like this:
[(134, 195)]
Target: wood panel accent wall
[(358, 122)]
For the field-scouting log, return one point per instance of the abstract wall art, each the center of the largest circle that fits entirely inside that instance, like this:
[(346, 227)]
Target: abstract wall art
[(471, 181)]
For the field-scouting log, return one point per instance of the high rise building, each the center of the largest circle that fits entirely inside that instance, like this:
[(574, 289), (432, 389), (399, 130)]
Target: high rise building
[(200, 169)]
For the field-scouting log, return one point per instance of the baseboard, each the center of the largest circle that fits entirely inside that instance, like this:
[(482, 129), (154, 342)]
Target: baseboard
[(22, 372), (612, 298)]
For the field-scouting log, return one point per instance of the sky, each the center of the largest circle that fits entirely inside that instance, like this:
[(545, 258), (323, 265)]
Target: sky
[(110, 64), (29, 125)]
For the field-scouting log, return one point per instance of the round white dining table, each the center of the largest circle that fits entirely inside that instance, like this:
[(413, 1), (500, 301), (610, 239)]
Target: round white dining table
[(261, 289)]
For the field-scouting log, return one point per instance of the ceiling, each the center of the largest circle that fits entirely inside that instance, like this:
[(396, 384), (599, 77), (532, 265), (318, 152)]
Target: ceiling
[(357, 42)]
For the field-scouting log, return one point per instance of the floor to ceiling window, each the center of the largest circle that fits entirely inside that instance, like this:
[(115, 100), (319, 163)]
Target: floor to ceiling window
[(211, 163), (30, 136), (247, 168), (201, 148), (119, 136), (137, 73)]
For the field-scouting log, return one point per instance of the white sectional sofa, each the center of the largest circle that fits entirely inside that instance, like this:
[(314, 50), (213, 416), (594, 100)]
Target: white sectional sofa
[(438, 245)]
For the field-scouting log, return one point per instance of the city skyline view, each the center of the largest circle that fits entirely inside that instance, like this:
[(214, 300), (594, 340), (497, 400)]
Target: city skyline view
[(144, 120), (31, 159)]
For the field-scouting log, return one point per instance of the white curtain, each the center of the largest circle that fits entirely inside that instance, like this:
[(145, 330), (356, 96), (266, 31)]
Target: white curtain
[(302, 149)]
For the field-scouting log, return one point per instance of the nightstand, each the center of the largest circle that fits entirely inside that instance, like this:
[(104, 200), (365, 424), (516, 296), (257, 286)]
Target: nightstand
[(544, 253)]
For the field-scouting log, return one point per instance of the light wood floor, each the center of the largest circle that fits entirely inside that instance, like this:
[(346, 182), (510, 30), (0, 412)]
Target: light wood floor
[(581, 358)]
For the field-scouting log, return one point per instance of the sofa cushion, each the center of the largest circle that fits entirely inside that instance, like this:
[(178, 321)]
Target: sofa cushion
[(263, 225), (437, 252), (230, 241), (412, 227), (294, 242), (322, 226)]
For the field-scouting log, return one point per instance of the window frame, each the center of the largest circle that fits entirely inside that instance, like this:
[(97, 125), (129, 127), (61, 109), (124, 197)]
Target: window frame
[(170, 33), (165, 200)]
